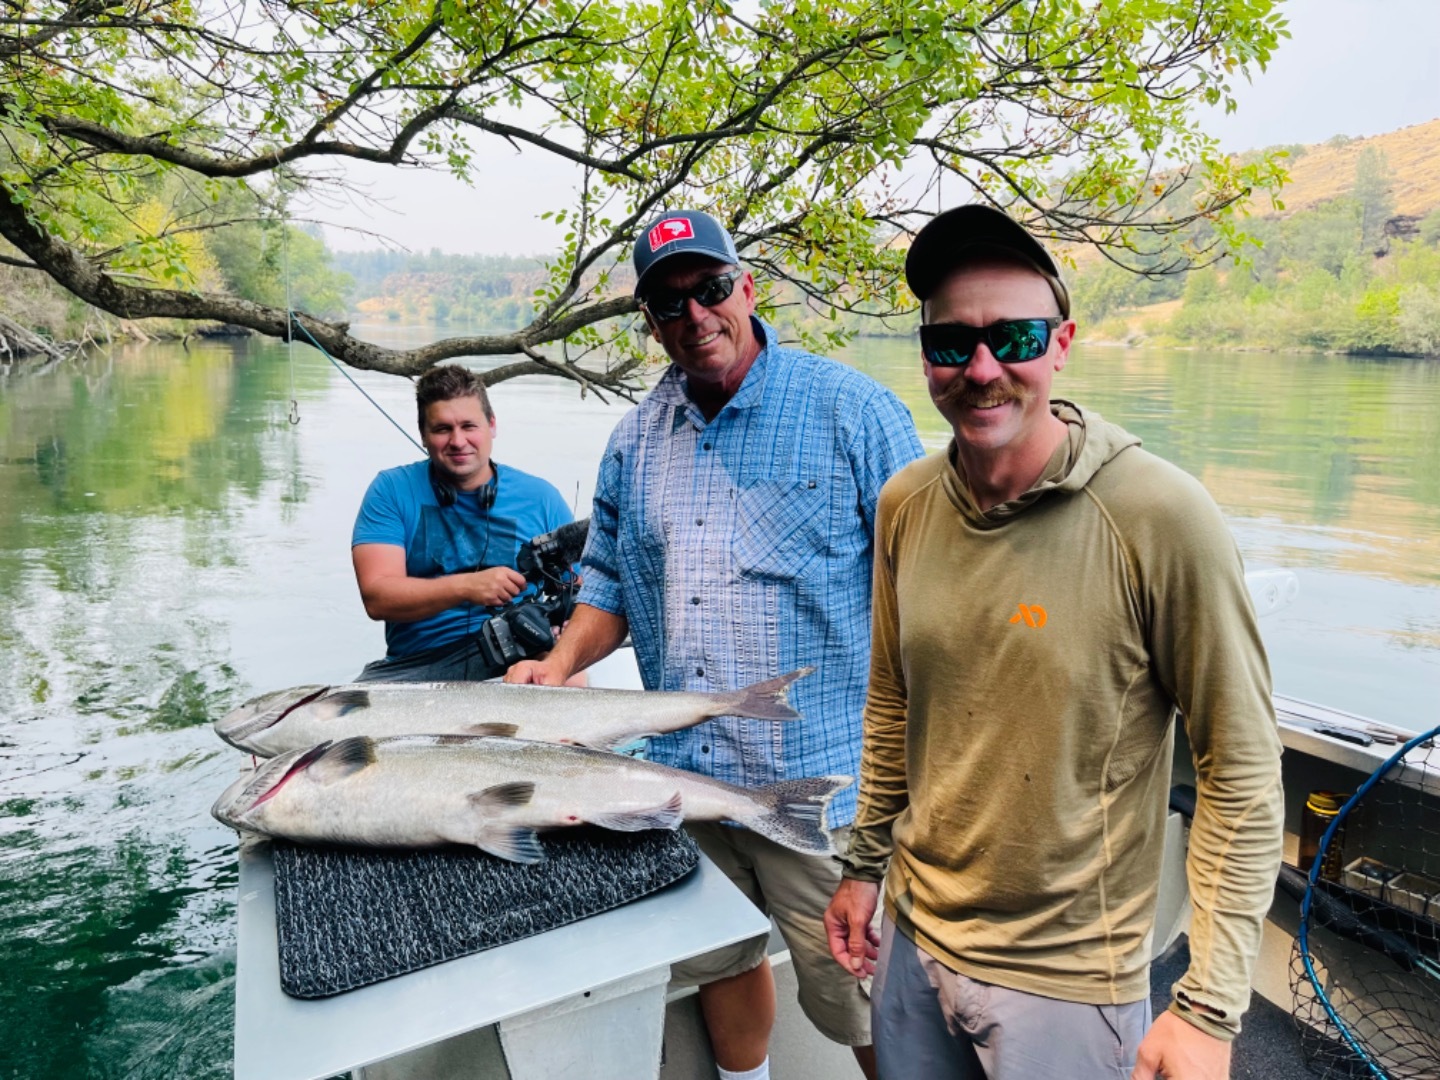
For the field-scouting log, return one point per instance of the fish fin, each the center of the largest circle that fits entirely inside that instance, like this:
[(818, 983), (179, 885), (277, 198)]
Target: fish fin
[(515, 793), (794, 815), (766, 700), (342, 759), (344, 701), (503, 731), (665, 816), (450, 740), (513, 843)]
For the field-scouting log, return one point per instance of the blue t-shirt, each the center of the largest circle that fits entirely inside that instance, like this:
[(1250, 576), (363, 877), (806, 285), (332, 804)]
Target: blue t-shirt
[(400, 508)]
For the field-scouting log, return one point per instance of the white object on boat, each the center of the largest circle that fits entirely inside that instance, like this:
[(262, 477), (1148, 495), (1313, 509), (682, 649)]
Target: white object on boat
[(586, 999)]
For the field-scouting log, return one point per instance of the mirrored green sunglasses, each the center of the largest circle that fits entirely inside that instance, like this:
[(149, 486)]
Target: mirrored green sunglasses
[(1012, 341)]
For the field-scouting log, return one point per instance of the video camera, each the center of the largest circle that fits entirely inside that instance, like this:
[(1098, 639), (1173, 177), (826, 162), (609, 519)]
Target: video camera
[(523, 630)]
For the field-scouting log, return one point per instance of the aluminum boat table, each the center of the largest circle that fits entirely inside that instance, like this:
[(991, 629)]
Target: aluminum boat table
[(587, 999)]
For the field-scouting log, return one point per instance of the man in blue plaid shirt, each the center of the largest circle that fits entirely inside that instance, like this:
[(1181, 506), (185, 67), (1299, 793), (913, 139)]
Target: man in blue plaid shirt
[(731, 538)]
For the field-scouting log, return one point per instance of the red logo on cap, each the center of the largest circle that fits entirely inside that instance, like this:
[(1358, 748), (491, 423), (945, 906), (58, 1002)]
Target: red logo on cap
[(670, 230)]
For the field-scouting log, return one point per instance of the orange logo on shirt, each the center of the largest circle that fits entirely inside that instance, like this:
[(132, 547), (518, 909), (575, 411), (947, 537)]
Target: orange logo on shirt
[(1032, 615)]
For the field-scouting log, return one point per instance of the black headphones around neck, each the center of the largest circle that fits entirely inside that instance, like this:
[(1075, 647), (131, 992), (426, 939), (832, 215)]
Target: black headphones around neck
[(445, 493)]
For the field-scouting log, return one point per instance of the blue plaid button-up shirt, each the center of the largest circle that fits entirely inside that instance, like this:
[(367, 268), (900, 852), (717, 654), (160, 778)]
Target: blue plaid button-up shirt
[(740, 549)]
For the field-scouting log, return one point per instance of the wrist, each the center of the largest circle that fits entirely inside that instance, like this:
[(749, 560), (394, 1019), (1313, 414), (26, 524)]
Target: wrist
[(560, 662), (462, 588), (866, 866), (1216, 1029)]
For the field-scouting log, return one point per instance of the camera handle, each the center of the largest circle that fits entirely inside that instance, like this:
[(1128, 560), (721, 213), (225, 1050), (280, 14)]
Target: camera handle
[(517, 634), (523, 629)]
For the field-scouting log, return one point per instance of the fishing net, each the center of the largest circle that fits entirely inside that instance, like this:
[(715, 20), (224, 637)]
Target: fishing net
[(1365, 970)]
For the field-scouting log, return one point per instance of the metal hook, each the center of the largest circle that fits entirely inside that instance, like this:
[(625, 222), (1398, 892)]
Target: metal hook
[(294, 411)]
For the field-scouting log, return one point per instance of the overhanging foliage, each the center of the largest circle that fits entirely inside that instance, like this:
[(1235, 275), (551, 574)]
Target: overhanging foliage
[(816, 130)]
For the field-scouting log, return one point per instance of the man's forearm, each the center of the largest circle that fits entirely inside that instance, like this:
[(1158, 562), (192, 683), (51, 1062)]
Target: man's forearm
[(1234, 854), (410, 599), (883, 796), (589, 636), (884, 790)]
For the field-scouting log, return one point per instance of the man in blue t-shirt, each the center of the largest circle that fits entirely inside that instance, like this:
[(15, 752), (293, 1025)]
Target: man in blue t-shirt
[(435, 542)]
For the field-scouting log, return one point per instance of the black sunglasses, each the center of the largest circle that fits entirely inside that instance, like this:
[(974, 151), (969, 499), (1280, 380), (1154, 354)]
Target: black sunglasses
[(665, 305), (1013, 341)]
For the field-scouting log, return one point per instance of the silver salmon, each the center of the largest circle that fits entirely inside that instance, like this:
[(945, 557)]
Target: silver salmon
[(415, 791), (303, 716)]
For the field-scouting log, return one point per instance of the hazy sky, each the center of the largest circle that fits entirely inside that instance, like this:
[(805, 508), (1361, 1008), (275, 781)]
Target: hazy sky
[(1353, 67)]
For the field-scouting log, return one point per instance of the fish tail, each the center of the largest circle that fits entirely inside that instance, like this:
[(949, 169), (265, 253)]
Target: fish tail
[(768, 700), (794, 815)]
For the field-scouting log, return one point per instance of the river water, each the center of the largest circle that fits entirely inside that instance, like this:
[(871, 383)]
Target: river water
[(170, 543)]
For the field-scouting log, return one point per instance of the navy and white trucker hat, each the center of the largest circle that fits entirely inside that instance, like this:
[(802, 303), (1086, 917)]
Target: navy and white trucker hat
[(682, 232)]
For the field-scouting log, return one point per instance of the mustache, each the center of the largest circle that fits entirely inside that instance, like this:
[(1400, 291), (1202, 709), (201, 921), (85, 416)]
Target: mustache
[(964, 394)]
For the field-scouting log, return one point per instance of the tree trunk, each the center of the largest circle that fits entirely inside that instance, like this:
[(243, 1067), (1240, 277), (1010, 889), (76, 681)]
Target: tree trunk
[(16, 341)]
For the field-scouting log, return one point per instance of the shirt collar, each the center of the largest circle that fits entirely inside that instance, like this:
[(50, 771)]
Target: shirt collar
[(670, 390)]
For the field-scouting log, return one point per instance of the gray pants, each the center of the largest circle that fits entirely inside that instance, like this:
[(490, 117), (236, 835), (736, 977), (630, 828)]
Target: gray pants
[(931, 1023)]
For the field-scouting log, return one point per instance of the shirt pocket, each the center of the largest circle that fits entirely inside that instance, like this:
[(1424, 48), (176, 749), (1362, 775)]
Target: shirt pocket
[(445, 543), (782, 528)]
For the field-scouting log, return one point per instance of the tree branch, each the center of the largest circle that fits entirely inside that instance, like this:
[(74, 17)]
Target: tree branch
[(103, 290)]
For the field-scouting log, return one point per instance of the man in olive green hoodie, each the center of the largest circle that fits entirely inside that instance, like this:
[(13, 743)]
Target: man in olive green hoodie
[(1047, 598)]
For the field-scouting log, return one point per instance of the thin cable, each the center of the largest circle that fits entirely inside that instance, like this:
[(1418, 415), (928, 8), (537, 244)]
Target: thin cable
[(296, 324), (290, 337)]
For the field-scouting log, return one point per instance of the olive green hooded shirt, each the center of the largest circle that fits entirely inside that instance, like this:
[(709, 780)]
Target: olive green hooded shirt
[(1027, 665)]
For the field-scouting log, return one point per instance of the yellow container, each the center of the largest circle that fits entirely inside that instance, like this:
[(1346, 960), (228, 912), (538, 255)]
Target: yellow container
[(1321, 808)]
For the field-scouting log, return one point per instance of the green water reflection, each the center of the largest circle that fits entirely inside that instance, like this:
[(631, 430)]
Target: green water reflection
[(120, 479), (1314, 441), (170, 543)]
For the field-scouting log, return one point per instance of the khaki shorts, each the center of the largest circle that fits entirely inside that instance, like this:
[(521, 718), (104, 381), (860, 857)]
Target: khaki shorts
[(794, 890)]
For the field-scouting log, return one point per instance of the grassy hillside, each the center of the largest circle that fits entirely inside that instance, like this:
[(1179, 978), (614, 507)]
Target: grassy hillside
[(479, 293), (1349, 263), (1326, 171)]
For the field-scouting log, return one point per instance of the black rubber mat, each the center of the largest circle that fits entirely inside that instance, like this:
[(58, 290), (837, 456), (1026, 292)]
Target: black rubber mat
[(348, 918)]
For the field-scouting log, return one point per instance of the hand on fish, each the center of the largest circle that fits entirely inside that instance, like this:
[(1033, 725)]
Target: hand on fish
[(535, 673)]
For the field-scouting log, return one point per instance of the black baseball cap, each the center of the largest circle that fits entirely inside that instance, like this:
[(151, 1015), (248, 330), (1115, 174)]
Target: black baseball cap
[(681, 232), (973, 231)]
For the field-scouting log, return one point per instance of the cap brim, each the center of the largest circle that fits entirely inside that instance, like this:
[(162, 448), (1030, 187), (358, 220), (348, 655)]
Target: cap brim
[(705, 252)]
